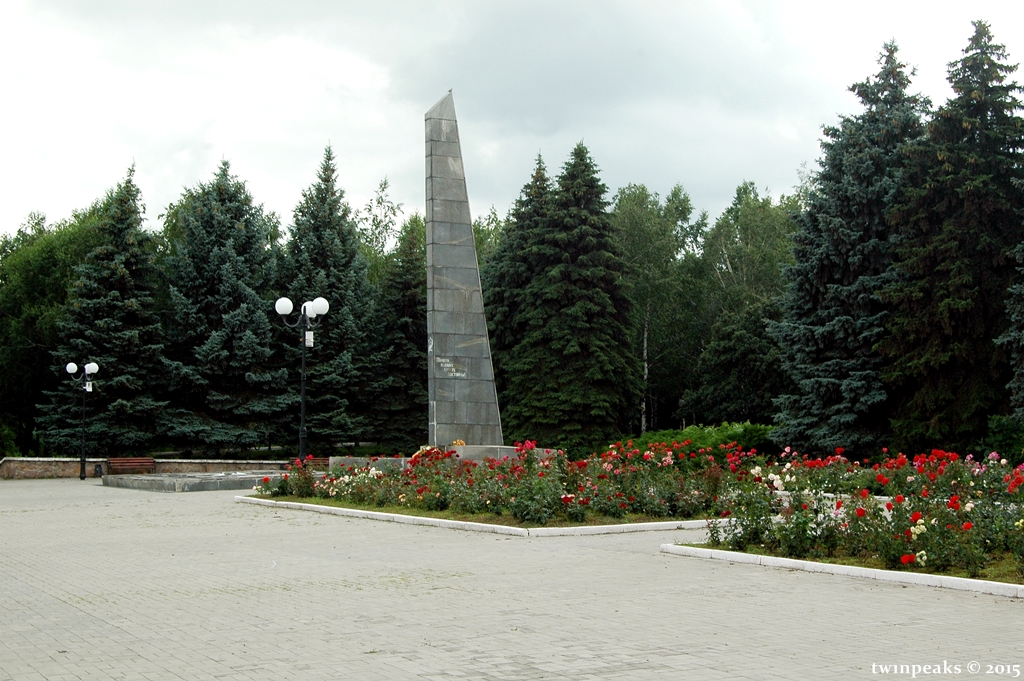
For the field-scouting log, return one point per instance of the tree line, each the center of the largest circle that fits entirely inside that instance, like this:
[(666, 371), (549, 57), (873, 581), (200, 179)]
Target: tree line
[(879, 304), (181, 323)]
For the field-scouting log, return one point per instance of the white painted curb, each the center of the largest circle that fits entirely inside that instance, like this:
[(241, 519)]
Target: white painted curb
[(958, 583), (483, 527)]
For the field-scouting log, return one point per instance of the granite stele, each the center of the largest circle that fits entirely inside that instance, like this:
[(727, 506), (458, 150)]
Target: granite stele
[(463, 400)]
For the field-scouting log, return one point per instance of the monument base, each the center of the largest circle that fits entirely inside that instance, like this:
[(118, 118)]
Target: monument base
[(191, 482), (481, 452)]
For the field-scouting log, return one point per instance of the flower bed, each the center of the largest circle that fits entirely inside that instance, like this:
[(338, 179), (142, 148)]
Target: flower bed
[(535, 487), (936, 511)]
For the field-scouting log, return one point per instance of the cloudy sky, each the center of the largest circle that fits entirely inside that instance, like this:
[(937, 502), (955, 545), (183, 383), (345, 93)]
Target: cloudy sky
[(707, 94)]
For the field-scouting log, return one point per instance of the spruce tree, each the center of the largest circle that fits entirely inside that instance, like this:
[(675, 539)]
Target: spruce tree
[(110, 319), (401, 402), (958, 220), (739, 374), (509, 270), (323, 258), (226, 384), (833, 317), (572, 379)]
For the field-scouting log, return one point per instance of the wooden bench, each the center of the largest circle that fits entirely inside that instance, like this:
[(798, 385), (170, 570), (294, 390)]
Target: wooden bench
[(138, 464), (320, 464)]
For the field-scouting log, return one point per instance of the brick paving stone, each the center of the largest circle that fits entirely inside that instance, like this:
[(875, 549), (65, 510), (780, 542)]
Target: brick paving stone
[(107, 583)]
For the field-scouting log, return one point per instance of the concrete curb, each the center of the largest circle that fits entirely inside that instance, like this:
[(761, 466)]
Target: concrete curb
[(958, 583), (483, 527)]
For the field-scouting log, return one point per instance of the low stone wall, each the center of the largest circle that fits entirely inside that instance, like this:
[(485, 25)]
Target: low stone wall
[(45, 467), (215, 465), (380, 463)]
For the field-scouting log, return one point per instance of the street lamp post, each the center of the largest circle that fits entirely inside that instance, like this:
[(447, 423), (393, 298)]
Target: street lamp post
[(87, 371), (310, 310)]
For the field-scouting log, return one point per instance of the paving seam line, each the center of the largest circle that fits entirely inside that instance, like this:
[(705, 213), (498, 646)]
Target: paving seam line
[(958, 583), (482, 527)]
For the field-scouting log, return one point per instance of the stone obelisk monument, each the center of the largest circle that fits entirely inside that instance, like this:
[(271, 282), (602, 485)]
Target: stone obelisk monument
[(463, 400)]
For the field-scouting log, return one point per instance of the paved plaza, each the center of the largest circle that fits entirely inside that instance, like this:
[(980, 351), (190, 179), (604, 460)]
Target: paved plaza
[(108, 583)]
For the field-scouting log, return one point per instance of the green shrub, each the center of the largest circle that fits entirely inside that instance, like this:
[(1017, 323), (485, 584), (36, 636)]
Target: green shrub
[(745, 435), (7, 446), (1006, 436)]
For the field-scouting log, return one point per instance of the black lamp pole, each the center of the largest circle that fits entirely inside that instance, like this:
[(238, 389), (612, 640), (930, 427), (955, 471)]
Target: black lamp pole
[(307, 313), (87, 370), (81, 470), (302, 384)]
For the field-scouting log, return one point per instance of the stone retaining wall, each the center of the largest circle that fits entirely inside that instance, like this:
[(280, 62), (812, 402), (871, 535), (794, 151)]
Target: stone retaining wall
[(46, 467), (40, 467)]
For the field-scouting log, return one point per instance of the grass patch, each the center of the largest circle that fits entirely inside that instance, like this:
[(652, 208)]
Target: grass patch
[(1001, 566), (486, 518)]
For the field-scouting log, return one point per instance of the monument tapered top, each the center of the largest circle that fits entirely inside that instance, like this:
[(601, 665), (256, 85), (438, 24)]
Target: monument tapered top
[(444, 109)]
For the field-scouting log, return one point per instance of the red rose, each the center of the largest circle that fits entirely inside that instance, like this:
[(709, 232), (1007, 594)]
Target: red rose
[(908, 558), (900, 499), (968, 525), (861, 512), (864, 494), (915, 516)]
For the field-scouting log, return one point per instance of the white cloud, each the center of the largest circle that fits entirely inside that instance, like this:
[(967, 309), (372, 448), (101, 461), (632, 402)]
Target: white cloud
[(707, 94)]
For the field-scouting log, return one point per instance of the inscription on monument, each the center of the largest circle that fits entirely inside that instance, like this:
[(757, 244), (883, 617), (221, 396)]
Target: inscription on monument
[(451, 368)]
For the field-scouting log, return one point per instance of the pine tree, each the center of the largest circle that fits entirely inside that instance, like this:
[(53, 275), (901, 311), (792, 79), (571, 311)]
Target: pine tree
[(402, 402), (110, 319), (509, 270), (572, 380), (833, 317), (323, 258), (958, 221), (226, 385)]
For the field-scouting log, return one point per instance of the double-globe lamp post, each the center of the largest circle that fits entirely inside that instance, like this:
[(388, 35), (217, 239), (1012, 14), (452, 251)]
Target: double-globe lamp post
[(310, 310), (87, 371)]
